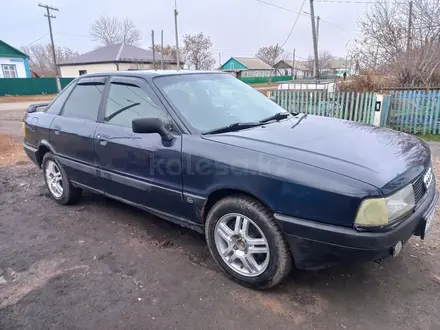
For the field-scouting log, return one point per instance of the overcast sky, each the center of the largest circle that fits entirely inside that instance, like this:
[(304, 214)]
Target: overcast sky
[(236, 27)]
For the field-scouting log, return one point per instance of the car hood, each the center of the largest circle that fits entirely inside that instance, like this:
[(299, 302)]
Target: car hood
[(374, 155)]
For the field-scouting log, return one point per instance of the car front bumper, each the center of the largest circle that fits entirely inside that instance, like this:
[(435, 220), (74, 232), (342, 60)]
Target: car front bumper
[(316, 245)]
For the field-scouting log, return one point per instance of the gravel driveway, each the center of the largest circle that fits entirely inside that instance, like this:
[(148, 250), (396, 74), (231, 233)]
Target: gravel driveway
[(104, 265)]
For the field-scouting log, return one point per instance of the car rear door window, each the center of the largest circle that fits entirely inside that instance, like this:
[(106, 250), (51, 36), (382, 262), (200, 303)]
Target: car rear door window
[(84, 102), (57, 104), (126, 102)]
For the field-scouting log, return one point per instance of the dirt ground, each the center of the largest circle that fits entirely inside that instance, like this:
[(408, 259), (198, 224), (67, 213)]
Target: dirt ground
[(104, 265), (26, 98)]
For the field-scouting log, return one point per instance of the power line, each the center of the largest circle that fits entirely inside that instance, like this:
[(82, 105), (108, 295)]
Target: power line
[(366, 2), (301, 13), (344, 1), (294, 24), (37, 40), (75, 35)]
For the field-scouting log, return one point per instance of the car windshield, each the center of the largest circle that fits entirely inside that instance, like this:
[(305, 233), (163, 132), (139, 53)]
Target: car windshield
[(211, 101)]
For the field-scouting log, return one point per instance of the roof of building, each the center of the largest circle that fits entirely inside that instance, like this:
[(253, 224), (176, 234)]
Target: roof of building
[(251, 63), (334, 64), (118, 53), (299, 65), (337, 63), (7, 50)]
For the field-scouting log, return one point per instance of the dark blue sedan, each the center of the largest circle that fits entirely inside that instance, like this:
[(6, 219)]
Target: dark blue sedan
[(269, 189)]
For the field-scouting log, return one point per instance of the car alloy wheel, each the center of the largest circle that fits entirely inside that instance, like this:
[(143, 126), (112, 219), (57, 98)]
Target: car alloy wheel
[(242, 244), (54, 179)]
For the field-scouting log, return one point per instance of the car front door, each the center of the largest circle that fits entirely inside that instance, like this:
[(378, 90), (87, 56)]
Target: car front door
[(72, 131), (139, 168)]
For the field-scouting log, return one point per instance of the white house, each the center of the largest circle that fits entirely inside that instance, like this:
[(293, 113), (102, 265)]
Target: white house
[(13, 63), (118, 57)]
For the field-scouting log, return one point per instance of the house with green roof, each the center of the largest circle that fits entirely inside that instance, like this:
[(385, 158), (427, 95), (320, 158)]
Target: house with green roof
[(13, 63), (246, 67)]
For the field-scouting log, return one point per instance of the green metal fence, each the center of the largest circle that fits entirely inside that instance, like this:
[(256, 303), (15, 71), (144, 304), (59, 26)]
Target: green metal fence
[(31, 86), (353, 106), (264, 80)]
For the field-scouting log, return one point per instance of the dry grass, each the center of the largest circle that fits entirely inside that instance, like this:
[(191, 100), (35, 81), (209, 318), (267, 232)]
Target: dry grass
[(367, 82), (11, 151), (26, 98)]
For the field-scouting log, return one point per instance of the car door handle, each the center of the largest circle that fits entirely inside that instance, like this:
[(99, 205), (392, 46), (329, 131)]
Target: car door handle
[(56, 130), (103, 139)]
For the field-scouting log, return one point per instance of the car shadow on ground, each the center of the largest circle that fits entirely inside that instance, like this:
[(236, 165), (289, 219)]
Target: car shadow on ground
[(341, 277)]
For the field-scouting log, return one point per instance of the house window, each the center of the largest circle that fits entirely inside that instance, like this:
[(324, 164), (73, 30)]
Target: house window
[(256, 73), (9, 71), (81, 72)]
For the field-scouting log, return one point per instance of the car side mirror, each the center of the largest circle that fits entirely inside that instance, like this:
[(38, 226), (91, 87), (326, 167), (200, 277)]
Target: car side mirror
[(151, 125)]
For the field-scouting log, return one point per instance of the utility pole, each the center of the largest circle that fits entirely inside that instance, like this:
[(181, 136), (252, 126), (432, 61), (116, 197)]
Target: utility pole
[(161, 49), (177, 35), (154, 51), (317, 28), (49, 16), (293, 64), (315, 42), (408, 40), (376, 54)]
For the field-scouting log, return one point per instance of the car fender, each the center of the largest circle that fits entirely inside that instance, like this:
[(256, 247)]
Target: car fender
[(45, 143)]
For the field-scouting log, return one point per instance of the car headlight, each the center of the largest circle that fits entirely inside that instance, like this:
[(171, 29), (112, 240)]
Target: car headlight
[(381, 211)]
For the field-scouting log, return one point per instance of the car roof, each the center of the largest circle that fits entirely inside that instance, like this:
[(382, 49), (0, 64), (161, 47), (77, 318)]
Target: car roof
[(150, 73)]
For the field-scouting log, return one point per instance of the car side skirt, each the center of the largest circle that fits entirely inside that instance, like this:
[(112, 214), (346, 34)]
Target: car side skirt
[(177, 220)]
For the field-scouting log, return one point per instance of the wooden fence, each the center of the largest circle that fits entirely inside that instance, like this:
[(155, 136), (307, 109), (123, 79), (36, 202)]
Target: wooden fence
[(413, 111), (353, 106)]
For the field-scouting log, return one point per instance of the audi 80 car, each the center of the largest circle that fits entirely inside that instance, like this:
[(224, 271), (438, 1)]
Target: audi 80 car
[(270, 190)]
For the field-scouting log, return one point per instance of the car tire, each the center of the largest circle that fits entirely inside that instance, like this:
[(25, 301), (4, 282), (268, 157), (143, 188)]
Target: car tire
[(262, 271), (57, 182)]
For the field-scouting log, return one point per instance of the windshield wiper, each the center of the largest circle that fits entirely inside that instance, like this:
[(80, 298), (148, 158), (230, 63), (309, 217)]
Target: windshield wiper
[(232, 128), (277, 116)]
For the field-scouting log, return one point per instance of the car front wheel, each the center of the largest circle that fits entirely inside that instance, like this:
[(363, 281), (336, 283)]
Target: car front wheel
[(59, 186), (247, 243)]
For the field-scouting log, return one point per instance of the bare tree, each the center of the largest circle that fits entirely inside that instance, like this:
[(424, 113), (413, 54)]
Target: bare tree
[(41, 60), (111, 30), (197, 51), (271, 54), (324, 60), (168, 50), (383, 46)]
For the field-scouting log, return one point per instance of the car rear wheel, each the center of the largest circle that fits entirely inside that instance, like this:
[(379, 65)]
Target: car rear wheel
[(247, 243), (57, 182)]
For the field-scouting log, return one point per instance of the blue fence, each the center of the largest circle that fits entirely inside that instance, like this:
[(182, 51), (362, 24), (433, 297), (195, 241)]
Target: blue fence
[(353, 106), (413, 111)]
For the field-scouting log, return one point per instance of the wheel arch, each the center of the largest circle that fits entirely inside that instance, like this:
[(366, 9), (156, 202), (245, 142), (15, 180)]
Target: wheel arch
[(43, 148), (221, 193)]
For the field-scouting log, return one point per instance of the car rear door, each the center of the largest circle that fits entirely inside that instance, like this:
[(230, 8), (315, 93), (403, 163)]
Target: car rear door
[(72, 132), (139, 168)]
